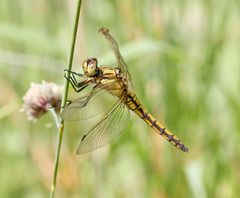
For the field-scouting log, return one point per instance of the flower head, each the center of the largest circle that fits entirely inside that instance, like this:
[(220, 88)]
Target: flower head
[(40, 97)]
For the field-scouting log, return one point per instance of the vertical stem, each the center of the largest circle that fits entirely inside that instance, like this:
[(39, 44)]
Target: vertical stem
[(64, 100)]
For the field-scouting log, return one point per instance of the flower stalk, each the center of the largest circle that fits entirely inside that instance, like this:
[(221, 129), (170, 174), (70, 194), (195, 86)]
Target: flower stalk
[(64, 100)]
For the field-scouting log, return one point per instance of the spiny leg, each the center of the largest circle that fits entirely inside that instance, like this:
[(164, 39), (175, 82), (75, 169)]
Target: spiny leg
[(75, 73), (78, 86), (72, 75), (73, 79)]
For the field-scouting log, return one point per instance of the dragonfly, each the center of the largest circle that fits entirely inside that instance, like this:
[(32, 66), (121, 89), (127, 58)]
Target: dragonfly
[(108, 82)]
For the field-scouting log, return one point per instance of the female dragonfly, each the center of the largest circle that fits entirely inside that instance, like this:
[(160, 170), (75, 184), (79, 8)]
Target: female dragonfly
[(114, 83)]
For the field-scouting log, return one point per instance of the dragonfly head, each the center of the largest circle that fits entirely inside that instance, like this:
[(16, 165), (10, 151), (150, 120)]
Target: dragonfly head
[(90, 67)]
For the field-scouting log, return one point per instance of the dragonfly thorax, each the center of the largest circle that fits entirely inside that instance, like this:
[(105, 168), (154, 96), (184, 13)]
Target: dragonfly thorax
[(90, 67)]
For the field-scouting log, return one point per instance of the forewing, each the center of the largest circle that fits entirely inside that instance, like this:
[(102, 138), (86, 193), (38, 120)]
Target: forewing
[(98, 101), (107, 130), (113, 44)]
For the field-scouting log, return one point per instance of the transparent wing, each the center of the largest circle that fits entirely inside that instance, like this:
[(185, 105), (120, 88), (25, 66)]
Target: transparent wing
[(87, 106), (107, 130), (90, 105), (121, 63)]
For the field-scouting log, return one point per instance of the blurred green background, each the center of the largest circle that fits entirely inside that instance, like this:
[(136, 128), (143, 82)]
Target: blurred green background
[(185, 64)]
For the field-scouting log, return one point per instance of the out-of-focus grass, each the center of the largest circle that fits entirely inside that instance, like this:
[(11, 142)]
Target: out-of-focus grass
[(184, 60)]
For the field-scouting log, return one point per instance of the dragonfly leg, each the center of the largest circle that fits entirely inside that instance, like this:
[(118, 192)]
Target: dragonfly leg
[(60, 107), (75, 73), (72, 78), (77, 86), (68, 102)]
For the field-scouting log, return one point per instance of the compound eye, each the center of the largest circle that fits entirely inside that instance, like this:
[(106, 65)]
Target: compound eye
[(92, 67)]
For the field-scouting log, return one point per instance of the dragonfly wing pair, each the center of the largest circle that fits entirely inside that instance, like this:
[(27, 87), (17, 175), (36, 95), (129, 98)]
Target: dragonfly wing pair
[(113, 114)]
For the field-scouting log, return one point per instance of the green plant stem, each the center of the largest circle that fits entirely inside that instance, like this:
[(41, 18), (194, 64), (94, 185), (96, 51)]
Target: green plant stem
[(64, 100)]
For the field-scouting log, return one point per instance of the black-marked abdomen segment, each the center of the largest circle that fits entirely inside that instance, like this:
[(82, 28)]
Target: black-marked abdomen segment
[(134, 104)]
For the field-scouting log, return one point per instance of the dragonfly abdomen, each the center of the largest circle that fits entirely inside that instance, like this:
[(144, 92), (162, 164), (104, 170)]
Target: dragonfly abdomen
[(135, 105)]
